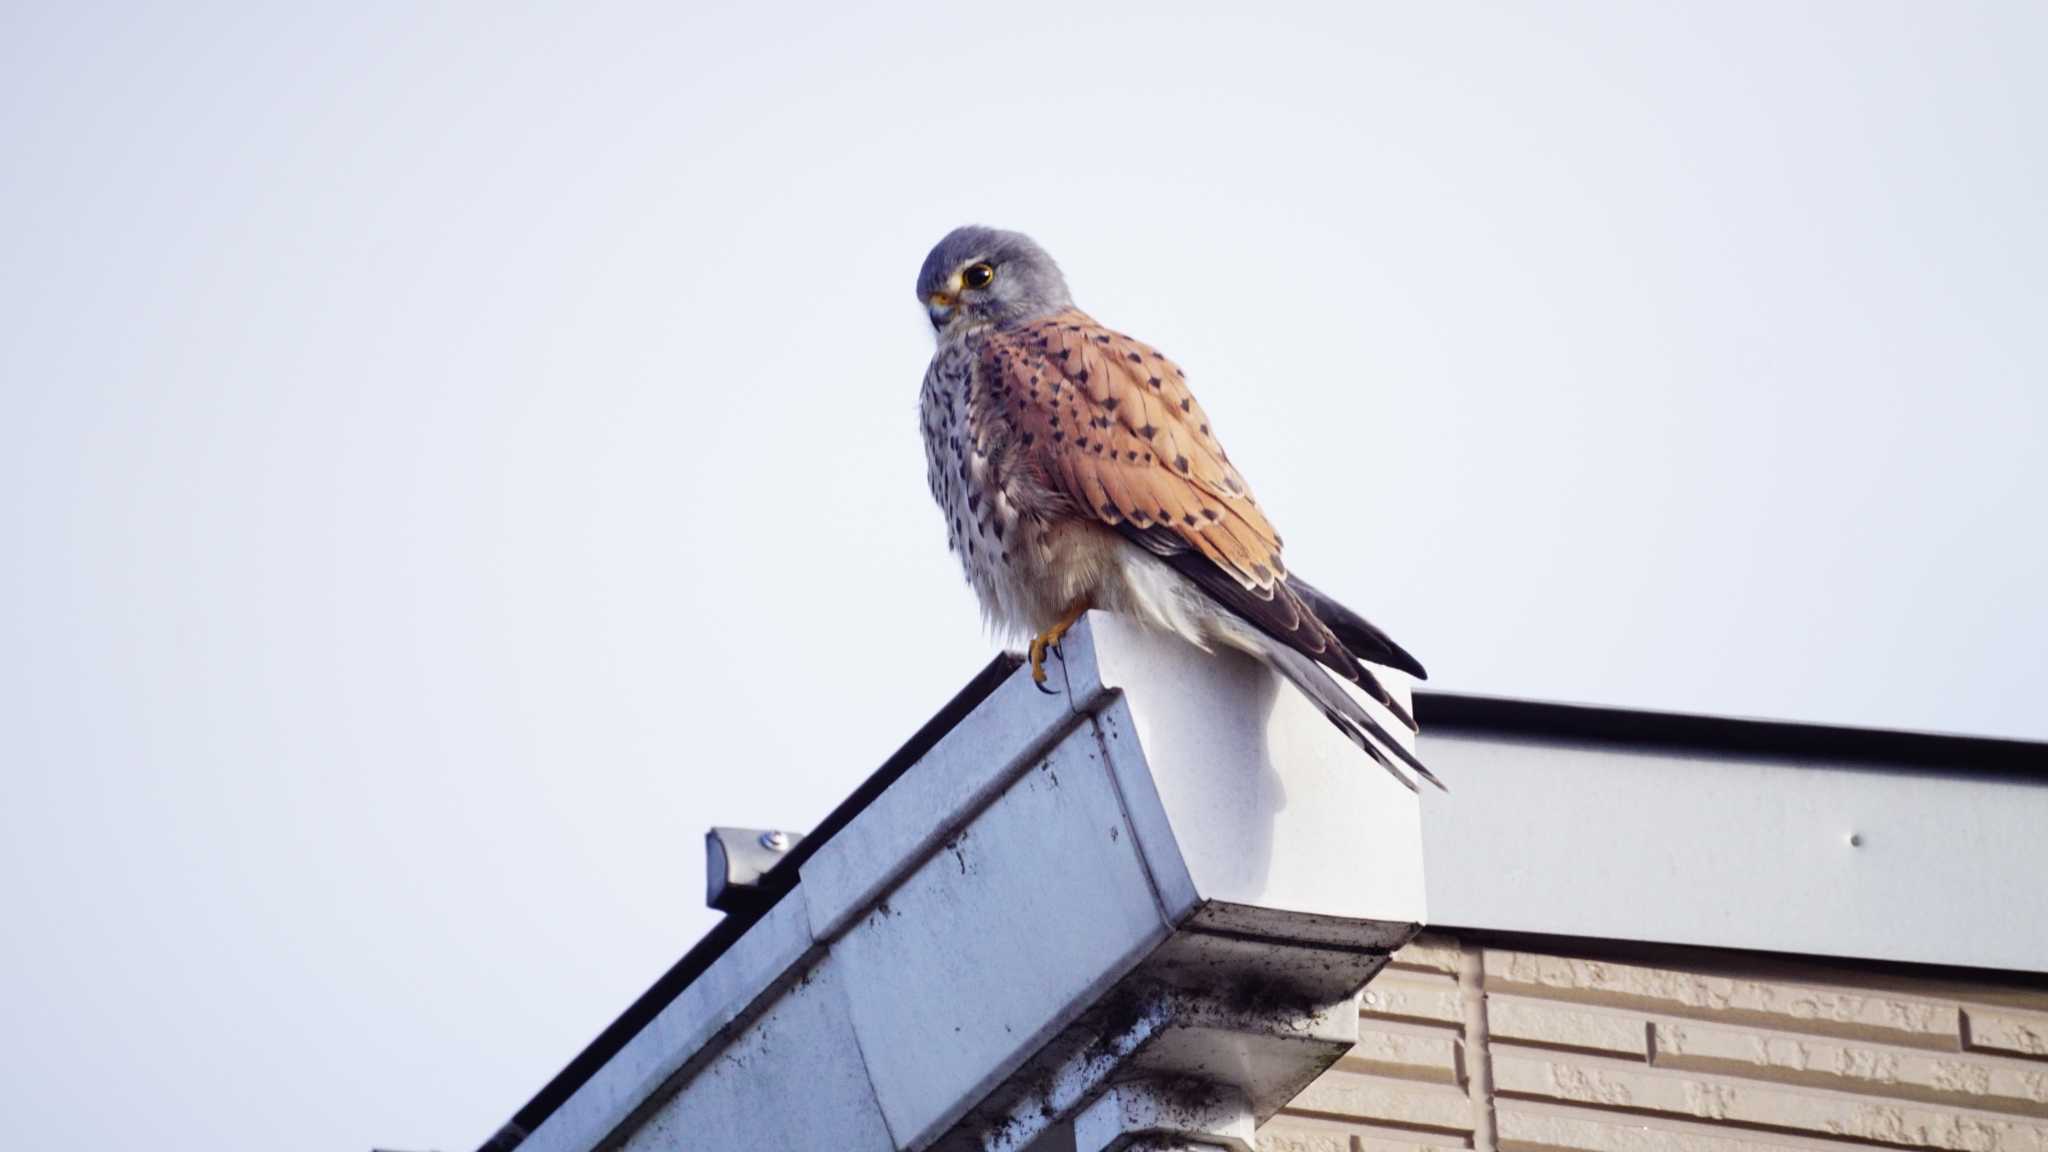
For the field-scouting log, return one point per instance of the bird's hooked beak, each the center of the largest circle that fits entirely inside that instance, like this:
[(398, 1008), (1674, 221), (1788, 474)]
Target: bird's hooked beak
[(939, 306)]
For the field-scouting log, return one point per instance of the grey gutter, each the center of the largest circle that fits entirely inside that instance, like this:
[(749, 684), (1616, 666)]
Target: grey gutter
[(714, 943)]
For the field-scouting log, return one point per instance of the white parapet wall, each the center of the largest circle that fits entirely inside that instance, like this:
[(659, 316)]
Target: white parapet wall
[(1170, 878), (1764, 844)]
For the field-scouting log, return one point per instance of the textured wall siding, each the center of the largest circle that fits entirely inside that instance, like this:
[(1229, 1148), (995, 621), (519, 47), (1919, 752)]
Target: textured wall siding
[(1501, 1050)]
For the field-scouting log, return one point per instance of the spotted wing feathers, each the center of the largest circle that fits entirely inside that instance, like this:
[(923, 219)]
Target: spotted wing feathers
[(1122, 436)]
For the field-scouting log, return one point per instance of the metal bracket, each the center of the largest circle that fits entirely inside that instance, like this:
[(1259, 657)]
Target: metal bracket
[(735, 859)]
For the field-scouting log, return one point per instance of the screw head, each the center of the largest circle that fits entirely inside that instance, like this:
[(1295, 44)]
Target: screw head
[(775, 841)]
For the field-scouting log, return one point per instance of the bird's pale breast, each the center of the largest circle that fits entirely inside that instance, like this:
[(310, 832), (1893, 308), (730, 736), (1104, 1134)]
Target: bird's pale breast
[(1025, 561)]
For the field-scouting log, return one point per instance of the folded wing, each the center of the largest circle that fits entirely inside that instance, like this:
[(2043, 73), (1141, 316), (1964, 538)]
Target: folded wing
[(1112, 424)]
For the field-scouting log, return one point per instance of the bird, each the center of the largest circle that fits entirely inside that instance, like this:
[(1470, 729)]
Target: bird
[(1075, 471)]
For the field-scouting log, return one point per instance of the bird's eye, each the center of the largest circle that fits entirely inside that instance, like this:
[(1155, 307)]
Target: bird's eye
[(978, 275)]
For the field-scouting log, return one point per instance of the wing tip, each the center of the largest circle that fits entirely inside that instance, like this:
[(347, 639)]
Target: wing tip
[(1403, 662)]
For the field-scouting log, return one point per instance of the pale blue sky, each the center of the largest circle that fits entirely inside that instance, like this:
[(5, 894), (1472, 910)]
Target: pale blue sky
[(455, 454)]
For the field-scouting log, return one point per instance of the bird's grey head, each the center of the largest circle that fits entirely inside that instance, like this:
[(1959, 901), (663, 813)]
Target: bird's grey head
[(979, 276)]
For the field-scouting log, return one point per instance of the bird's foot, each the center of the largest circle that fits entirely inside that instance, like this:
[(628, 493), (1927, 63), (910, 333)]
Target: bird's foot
[(1038, 646), (1050, 640)]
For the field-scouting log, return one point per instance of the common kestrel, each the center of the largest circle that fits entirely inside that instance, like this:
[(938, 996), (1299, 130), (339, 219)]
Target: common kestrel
[(1076, 471)]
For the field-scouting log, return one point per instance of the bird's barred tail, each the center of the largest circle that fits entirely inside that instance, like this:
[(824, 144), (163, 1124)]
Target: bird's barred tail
[(1346, 713)]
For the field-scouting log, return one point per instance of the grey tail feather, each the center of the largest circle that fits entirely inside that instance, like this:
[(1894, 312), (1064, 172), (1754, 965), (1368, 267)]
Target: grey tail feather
[(1346, 713), (1378, 691)]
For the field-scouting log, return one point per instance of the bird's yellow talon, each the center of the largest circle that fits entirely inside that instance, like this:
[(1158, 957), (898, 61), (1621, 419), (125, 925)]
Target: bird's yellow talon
[(1050, 638)]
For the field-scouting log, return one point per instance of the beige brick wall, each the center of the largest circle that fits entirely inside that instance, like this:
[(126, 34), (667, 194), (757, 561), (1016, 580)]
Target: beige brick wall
[(1507, 1050)]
